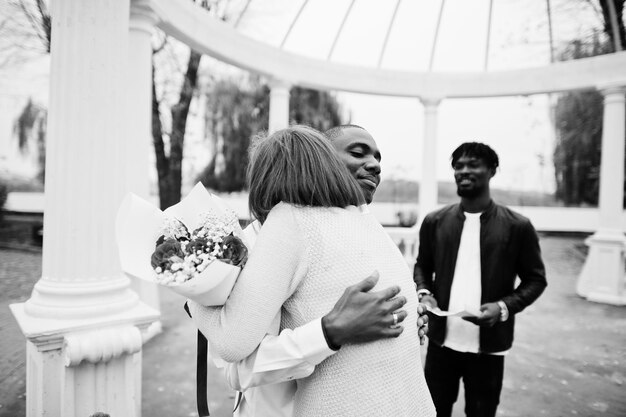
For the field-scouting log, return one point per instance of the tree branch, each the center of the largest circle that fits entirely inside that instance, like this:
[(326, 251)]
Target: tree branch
[(31, 19), (180, 111), (46, 23), (162, 163)]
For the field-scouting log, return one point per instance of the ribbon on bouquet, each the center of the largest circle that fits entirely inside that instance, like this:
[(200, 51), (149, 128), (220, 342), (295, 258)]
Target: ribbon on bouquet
[(201, 373), (202, 367), (238, 401)]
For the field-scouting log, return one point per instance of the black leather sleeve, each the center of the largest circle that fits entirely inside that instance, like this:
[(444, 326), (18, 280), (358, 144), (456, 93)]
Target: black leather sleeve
[(425, 264), (530, 270)]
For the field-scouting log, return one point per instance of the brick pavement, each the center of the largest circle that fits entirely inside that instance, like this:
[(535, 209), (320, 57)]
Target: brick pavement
[(568, 359), (19, 271)]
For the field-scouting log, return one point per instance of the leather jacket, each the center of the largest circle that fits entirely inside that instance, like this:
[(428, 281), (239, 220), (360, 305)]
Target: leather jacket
[(509, 248)]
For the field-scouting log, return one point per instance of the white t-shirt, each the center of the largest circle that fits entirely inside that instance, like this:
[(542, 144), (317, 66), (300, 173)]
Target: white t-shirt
[(466, 290)]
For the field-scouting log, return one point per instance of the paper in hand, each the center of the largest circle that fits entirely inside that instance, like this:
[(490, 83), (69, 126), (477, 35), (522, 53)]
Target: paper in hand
[(457, 313)]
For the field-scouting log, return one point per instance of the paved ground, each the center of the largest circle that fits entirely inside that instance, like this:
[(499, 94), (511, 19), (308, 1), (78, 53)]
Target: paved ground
[(569, 357), (18, 273)]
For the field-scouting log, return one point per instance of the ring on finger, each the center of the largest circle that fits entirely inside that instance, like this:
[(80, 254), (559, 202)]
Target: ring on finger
[(395, 319)]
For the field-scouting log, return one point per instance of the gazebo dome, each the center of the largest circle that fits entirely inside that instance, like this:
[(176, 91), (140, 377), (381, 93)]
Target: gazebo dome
[(438, 36), (396, 48)]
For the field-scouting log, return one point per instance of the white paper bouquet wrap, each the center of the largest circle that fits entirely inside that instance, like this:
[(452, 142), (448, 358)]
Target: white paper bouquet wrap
[(196, 247)]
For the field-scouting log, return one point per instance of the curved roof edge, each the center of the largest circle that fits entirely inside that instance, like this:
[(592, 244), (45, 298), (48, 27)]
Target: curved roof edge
[(194, 26)]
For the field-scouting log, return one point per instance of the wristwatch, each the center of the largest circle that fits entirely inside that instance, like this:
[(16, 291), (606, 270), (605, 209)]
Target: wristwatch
[(504, 311)]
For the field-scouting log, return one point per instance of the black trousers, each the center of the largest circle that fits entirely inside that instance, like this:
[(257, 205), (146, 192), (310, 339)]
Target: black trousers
[(482, 379)]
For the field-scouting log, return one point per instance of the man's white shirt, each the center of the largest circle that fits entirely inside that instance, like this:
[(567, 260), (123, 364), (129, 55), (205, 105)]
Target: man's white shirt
[(466, 290)]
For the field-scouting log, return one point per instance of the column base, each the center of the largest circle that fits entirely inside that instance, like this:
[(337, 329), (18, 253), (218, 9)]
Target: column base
[(68, 300), (153, 330), (76, 367), (598, 297), (603, 278)]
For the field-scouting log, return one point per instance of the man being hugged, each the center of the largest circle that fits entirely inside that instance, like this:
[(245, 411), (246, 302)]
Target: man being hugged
[(360, 315)]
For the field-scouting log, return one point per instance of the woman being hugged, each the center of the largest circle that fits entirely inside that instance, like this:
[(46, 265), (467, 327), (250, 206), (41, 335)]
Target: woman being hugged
[(317, 236)]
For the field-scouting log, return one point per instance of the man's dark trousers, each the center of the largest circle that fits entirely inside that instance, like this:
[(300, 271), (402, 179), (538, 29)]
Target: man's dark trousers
[(482, 378)]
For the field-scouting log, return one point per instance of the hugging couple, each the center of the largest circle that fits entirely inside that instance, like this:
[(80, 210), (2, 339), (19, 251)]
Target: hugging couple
[(302, 332)]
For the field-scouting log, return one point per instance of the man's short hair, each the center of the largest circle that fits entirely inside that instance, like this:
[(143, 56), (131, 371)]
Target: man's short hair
[(334, 132), (476, 150)]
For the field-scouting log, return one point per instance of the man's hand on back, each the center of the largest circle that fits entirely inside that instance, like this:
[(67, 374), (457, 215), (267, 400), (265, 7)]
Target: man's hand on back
[(362, 316)]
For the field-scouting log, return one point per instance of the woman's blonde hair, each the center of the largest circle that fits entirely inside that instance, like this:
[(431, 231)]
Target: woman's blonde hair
[(298, 165)]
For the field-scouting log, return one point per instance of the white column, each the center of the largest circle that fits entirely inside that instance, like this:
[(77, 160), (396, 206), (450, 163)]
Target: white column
[(139, 92), (428, 186), (83, 323), (139, 119), (279, 105), (602, 278)]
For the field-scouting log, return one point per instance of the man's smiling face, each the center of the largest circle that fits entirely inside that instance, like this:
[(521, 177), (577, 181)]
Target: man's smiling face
[(359, 152), (472, 176)]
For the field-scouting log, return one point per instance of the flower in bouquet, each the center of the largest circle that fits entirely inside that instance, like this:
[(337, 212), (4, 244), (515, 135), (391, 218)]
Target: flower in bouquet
[(166, 253), (180, 256), (235, 252)]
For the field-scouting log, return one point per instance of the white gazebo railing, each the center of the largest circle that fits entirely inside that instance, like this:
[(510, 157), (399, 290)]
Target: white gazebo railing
[(407, 239)]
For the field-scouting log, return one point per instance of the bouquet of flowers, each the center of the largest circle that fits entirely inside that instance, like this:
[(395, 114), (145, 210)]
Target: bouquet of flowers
[(196, 247)]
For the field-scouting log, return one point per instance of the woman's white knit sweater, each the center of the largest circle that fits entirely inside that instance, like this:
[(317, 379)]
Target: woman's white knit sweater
[(303, 260)]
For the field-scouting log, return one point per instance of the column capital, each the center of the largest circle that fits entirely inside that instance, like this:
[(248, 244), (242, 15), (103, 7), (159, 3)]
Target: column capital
[(431, 101), (609, 89), (142, 16), (279, 104), (276, 83)]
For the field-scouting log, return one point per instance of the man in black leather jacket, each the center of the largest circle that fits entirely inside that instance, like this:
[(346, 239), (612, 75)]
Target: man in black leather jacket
[(469, 257)]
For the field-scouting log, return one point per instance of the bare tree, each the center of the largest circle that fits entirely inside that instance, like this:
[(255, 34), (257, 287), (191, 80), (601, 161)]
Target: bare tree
[(614, 28), (24, 31), (168, 145), (578, 114), (169, 164)]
